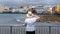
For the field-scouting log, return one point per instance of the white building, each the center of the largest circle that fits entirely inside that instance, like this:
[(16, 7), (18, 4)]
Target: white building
[(2, 7)]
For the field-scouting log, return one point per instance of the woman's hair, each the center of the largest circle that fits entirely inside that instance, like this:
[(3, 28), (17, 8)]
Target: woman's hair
[(32, 10)]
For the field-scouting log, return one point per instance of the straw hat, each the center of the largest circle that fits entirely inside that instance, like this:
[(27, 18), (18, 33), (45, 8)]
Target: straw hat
[(29, 14)]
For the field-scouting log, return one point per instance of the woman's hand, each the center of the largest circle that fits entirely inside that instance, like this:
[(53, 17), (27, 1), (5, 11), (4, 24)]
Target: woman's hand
[(24, 24)]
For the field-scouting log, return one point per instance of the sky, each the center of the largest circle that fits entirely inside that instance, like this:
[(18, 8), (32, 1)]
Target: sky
[(28, 2)]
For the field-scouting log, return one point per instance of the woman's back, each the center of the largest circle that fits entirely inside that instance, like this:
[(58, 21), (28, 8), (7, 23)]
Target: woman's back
[(30, 24)]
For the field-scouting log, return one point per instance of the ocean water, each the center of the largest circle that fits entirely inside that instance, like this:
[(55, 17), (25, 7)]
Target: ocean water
[(17, 19), (9, 18)]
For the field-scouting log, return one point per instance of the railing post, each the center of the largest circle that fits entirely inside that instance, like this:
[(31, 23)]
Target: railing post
[(49, 29), (10, 29)]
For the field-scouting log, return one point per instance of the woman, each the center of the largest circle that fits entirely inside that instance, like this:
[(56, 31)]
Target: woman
[(30, 23)]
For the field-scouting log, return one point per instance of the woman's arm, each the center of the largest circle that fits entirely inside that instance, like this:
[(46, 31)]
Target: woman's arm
[(37, 17)]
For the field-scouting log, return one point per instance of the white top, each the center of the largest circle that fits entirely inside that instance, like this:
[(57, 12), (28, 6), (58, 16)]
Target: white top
[(30, 24)]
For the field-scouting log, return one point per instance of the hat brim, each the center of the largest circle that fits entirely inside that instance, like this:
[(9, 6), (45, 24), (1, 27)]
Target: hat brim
[(29, 15)]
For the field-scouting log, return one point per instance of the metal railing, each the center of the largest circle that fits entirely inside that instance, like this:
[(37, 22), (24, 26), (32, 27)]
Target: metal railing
[(21, 30)]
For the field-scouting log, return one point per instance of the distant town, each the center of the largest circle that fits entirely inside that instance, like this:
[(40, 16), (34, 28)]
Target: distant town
[(23, 9)]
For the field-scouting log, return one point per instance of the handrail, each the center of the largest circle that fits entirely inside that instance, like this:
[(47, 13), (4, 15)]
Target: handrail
[(49, 27)]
